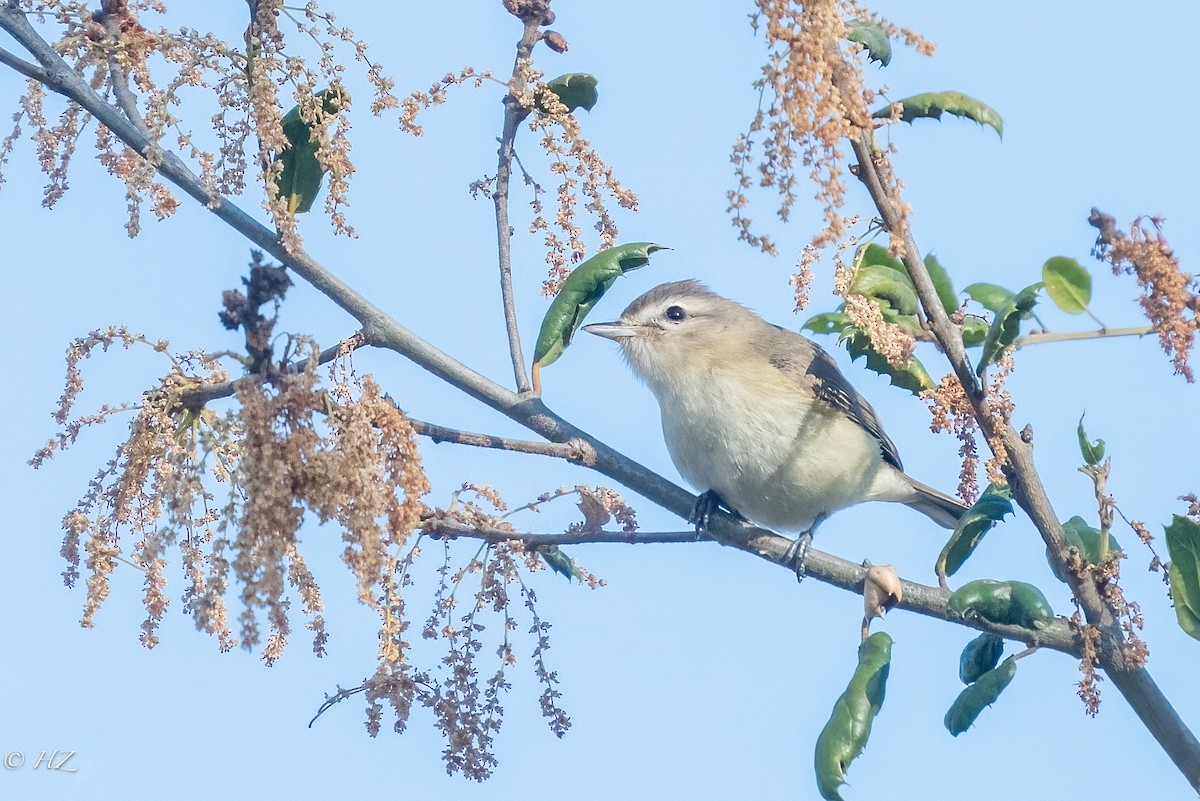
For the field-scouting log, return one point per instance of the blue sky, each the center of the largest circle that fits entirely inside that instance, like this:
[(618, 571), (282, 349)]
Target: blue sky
[(698, 672)]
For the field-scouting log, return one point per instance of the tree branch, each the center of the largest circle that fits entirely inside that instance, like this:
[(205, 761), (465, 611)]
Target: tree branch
[(1135, 683), (514, 113), (24, 67), (920, 598)]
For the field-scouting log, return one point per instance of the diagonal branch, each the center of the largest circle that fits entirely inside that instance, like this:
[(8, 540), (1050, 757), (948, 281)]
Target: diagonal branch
[(1134, 682)]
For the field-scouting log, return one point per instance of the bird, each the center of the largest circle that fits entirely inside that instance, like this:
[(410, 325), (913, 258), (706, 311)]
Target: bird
[(759, 418)]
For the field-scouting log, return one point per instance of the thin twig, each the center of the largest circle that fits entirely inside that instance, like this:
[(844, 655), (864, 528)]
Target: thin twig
[(1068, 336), (577, 451), (514, 113)]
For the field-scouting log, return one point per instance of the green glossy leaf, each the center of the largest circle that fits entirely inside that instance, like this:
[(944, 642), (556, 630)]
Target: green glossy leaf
[(845, 734), (1085, 538), (941, 282), (827, 323), (975, 698), (877, 282), (989, 296), (1068, 283), (1007, 602), (586, 284), (933, 104), (299, 182), (575, 90), (914, 377), (1092, 452), (974, 331), (981, 655), (873, 39), (1183, 544), (989, 509), (1007, 325), (909, 322)]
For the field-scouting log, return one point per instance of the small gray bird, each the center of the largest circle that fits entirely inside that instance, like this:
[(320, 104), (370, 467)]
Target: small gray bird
[(759, 416)]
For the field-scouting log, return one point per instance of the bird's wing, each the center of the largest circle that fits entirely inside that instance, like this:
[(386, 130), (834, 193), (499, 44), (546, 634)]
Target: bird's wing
[(821, 375)]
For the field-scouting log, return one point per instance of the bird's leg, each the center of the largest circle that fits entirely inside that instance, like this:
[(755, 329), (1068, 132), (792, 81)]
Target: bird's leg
[(708, 503), (797, 553)]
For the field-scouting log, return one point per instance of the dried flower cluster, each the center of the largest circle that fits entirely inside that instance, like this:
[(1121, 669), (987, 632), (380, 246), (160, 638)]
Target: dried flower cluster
[(1088, 686), (579, 169), (887, 339), (814, 100), (113, 50), (1171, 299), (952, 413)]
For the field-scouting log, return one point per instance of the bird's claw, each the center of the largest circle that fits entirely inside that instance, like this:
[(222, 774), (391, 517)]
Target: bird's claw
[(797, 554), (708, 504)]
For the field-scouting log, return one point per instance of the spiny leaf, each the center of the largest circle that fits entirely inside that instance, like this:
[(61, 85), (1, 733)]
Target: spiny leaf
[(913, 377), (975, 698), (873, 39), (981, 655), (941, 282), (989, 509), (1086, 539), (1007, 325), (1092, 452), (974, 331), (1183, 544), (989, 296), (845, 734), (1007, 602), (300, 180), (1068, 283), (575, 90), (934, 104), (586, 284)]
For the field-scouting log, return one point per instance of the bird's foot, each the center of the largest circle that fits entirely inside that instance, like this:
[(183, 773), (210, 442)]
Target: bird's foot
[(707, 504), (797, 554)]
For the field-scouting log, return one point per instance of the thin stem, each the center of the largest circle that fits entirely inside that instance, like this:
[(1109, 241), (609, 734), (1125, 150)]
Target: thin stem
[(1069, 336), (514, 113)]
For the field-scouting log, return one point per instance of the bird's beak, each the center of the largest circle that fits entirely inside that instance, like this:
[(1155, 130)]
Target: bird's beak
[(616, 331)]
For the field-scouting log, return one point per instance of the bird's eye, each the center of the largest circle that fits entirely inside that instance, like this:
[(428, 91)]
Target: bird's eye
[(676, 313)]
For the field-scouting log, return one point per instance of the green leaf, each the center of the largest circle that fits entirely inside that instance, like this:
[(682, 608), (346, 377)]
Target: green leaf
[(934, 104), (827, 323), (878, 254), (1007, 325), (575, 90), (1092, 452), (983, 693), (1183, 544), (873, 39), (558, 561), (941, 282), (981, 655), (989, 509), (974, 331), (1086, 539), (989, 296), (877, 282), (845, 734), (1068, 283), (914, 377), (586, 284), (300, 180), (1007, 602)]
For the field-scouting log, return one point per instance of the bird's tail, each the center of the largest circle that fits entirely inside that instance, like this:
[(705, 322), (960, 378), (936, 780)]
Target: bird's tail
[(937, 506)]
